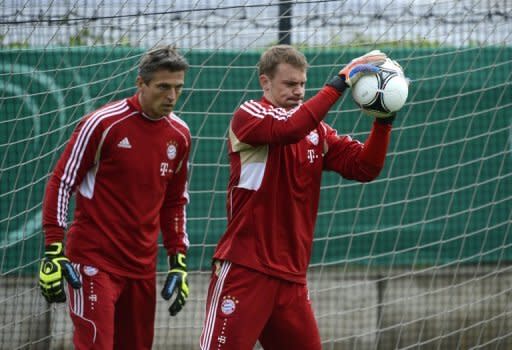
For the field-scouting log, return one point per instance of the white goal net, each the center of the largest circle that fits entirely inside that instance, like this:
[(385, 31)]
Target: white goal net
[(418, 259)]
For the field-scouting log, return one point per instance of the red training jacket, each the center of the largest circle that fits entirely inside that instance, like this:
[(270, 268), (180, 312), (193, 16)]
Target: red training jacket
[(276, 161), (131, 176)]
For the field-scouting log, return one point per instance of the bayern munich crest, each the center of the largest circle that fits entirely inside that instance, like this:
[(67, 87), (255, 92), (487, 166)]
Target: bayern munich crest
[(313, 137), (171, 151), (228, 305), (90, 270)]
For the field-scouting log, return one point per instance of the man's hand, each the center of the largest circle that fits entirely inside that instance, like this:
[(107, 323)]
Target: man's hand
[(365, 64), (176, 283), (53, 267)]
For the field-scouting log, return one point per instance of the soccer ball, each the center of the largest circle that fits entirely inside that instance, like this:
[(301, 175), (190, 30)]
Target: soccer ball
[(384, 93)]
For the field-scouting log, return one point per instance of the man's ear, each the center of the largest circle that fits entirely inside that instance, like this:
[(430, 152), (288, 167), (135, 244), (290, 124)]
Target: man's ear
[(264, 82), (139, 82)]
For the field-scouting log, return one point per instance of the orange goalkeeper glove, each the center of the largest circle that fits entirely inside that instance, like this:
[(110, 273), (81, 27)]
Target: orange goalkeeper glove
[(368, 63), (356, 68)]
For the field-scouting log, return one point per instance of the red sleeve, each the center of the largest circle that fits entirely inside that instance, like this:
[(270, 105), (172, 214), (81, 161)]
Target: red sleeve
[(354, 160), (257, 124), (173, 212), (78, 157)]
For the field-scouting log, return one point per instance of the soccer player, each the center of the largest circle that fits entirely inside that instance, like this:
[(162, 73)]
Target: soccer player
[(128, 161), (278, 148)]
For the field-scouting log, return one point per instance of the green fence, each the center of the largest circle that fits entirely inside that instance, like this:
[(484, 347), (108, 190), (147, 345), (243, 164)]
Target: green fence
[(443, 197)]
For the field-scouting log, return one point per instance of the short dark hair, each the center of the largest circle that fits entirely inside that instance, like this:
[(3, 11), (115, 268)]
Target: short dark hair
[(162, 57), (277, 54)]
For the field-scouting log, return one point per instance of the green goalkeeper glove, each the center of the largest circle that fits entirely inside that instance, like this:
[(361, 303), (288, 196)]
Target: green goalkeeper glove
[(53, 267), (176, 283)]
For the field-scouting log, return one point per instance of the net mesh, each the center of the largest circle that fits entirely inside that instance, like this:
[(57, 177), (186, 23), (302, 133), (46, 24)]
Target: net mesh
[(419, 258)]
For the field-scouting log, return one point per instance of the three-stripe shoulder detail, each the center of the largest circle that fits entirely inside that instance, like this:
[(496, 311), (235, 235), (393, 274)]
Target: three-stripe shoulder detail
[(178, 120), (258, 110), (73, 163), (174, 118)]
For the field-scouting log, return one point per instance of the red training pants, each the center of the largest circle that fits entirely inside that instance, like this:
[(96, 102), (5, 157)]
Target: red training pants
[(112, 312), (244, 306)]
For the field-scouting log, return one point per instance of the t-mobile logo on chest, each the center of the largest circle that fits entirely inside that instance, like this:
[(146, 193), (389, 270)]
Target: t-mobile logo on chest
[(164, 169), (312, 155)]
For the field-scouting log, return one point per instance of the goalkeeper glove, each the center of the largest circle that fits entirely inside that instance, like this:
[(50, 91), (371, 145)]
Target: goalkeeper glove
[(351, 73), (367, 63), (176, 283), (53, 266)]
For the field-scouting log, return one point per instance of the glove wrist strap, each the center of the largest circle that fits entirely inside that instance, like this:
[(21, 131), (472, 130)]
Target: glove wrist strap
[(54, 249), (177, 261), (338, 83), (386, 121)]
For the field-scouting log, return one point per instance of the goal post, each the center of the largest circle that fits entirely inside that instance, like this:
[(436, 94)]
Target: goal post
[(419, 258)]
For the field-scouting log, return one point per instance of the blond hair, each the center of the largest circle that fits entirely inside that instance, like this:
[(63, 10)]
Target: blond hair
[(277, 54)]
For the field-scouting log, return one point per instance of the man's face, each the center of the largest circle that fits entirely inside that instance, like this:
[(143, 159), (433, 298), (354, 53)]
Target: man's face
[(286, 89), (159, 96)]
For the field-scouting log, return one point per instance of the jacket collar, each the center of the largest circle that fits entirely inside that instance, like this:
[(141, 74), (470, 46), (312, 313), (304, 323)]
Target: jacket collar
[(135, 103)]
